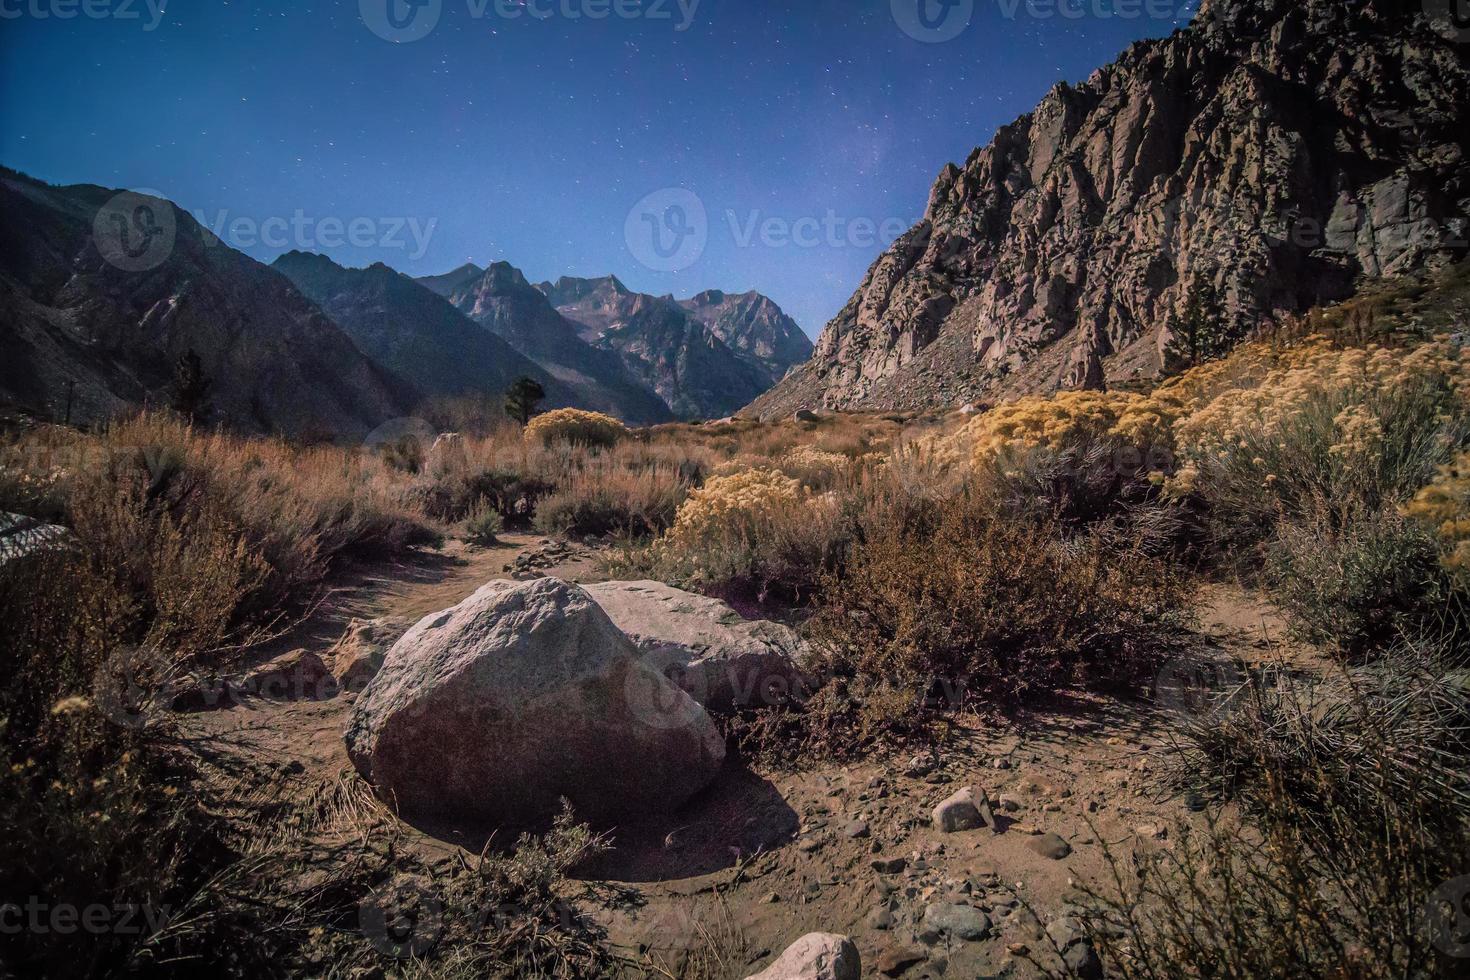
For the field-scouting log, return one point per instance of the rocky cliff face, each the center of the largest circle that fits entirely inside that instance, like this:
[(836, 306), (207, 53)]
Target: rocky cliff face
[(412, 331), (1281, 149), (666, 346), (92, 320), (754, 327), (502, 301)]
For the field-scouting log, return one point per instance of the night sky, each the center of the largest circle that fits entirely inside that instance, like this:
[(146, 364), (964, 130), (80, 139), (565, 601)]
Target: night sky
[(531, 139)]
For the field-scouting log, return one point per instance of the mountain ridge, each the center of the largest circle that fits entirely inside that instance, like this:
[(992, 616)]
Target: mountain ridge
[(412, 330), (90, 335)]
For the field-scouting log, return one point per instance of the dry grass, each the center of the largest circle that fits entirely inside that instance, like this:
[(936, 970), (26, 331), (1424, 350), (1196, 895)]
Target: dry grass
[(1354, 792)]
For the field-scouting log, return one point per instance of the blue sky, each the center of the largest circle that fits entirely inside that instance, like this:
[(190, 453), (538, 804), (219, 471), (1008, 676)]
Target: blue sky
[(530, 130)]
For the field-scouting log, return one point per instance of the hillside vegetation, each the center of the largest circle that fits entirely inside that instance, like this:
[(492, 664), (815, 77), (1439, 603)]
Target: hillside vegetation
[(936, 563)]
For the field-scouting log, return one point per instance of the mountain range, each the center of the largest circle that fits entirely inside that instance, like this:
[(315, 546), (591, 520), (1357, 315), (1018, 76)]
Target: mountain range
[(102, 292), (85, 333), (1278, 150)]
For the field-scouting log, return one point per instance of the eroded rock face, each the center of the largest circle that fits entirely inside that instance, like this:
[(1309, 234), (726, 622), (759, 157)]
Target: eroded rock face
[(1277, 148), (720, 659), (523, 694), (815, 956)]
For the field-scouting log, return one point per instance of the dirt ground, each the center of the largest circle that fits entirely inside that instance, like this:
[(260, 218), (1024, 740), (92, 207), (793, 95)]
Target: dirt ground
[(760, 858)]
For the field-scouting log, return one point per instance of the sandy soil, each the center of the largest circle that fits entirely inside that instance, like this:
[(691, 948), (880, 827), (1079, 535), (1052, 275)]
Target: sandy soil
[(760, 858)]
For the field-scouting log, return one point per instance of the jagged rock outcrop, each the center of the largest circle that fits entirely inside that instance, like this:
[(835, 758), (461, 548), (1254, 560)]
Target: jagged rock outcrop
[(1281, 149), (99, 300), (754, 327), (501, 300), (701, 361)]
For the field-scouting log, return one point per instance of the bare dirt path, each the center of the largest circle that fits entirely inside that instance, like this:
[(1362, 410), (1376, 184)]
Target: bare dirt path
[(762, 858)]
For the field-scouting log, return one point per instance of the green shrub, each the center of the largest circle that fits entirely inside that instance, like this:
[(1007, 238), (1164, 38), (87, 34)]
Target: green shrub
[(483, 527), (993, 607), (1354, 793), (1359, 586)]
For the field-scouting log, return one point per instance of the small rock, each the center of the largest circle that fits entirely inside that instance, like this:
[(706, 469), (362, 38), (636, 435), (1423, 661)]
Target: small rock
[(965, 810), (1152, 831), (889, 866), (895, 960), (815, 956), (770, 898), (1050, 846), (960, 921), (1083, 962), (1002, 763), (856, 830)]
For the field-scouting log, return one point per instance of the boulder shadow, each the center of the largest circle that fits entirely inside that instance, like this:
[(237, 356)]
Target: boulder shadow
[(739, 815)]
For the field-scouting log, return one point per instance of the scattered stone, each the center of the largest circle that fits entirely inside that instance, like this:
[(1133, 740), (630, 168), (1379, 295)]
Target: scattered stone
[(961, 921), (1083, 962), (1050, 846), (919, 765), (358, 655), (856, 830), (896, 960), (522, 695), (297, 675), (1065, 930), (815, 956), (967, 809), (21, 535), (889, 865)]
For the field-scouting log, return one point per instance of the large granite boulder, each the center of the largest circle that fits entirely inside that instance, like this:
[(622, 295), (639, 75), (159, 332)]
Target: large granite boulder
[(524, 694), (815, 956), (720, 659)]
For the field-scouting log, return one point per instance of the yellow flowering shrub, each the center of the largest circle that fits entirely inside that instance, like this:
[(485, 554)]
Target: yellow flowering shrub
[(573, 425), (812, 458), (1444, 507), (1283, 383), (1038, 420), (732, 504)]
